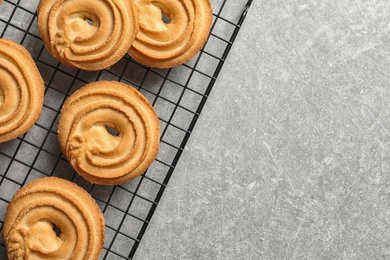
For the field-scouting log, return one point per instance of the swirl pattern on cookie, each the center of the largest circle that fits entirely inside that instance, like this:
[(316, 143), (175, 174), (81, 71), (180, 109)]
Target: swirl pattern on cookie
[(90, 35), (171, 31), (109, 132), (21, 90), (43, 205)]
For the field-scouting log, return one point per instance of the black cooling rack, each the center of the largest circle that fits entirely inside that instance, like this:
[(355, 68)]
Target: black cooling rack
[(178, 95)]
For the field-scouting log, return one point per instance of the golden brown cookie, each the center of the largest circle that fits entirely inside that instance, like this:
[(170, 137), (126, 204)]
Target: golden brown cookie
[(43, 205), (98, 154), (90, 35), (171, 32), (21, 90)]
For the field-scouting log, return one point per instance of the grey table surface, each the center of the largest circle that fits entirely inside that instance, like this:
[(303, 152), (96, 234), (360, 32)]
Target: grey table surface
[(290, 157)]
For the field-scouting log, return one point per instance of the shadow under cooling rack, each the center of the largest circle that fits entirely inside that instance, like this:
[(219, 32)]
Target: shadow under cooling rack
[(178, 95)]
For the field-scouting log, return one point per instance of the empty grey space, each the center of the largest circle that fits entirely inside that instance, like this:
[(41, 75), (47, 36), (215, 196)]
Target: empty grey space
[(290, 158), (177, 94)]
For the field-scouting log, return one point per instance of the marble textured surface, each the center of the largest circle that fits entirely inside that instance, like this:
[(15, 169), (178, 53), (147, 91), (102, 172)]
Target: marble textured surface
[(290, 157)]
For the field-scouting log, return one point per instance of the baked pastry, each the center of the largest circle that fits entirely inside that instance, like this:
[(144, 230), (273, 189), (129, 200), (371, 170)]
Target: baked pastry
[(109, 132), (41, 210), (171, 32), (90, 35), (21, 90)]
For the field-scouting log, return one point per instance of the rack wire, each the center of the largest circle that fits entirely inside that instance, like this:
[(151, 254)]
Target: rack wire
[(178, 95)]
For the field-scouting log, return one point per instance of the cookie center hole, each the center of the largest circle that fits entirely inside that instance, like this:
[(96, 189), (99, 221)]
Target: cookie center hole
[(89, 21), (57, 230), (165, 18), (2, 97), (111, 131)]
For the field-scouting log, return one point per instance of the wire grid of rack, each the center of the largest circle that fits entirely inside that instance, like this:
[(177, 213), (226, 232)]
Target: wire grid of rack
[(178, 95)]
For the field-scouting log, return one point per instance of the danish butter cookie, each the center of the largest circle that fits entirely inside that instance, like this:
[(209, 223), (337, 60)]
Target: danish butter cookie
[(109, 132), (171, 32), (21, 90), (90, 35), (52, 218)]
